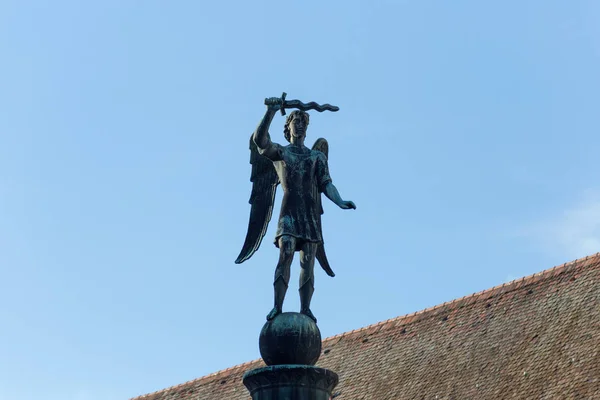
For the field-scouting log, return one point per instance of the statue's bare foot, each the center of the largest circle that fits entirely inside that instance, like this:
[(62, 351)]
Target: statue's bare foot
[(274, 312), (309, 314)]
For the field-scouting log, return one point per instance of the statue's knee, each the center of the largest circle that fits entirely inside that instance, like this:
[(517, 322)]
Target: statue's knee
[(287, 245)]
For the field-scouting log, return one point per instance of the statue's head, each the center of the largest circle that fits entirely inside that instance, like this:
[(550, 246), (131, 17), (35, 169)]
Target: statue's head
[(295, 125)]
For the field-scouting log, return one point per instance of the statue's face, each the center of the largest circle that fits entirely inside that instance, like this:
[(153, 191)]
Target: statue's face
[(298, 127)]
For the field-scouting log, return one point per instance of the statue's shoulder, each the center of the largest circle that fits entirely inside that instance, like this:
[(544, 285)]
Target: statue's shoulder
[(317, 154), (299, 151)]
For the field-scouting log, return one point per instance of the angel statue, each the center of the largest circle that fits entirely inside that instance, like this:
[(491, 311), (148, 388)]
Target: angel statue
[(304, 175)]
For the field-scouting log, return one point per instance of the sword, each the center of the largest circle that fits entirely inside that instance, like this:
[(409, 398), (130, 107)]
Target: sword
[(300, 105)]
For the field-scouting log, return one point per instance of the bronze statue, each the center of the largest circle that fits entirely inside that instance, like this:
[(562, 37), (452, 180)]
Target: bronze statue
[(304, 175)]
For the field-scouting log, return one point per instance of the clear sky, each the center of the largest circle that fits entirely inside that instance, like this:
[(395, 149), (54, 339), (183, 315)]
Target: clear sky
[(467, 136)]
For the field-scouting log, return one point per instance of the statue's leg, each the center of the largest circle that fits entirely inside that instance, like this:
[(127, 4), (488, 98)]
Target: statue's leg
[(287, 247), (307, 277)]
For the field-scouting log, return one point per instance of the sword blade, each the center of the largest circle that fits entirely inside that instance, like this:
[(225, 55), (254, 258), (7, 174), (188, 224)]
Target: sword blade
[(309, 106)]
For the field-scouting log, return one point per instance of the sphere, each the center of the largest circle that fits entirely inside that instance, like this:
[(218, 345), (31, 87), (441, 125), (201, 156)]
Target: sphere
[(290, 338)]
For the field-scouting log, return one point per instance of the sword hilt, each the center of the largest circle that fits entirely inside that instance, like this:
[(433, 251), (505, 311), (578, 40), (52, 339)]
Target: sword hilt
[(282, 109), (280, 101)]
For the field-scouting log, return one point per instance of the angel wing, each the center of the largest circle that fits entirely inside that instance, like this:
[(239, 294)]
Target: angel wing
[(264, 185), (322, 146)]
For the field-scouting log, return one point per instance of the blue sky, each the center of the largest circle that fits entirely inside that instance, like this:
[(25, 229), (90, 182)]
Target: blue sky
[(467, 136)]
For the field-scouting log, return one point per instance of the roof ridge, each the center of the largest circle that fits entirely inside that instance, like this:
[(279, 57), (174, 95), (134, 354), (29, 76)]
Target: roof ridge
[(507, 286)]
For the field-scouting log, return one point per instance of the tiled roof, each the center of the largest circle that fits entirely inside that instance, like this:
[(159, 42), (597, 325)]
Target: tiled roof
[(533, 338)]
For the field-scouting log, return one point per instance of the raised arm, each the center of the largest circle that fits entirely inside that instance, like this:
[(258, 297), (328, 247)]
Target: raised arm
[(263, 139)]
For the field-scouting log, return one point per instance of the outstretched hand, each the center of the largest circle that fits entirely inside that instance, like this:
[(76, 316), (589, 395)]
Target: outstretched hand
[(346, 205)]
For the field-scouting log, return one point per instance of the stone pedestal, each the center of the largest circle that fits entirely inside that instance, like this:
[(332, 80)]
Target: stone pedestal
[(290, 382), (290, 345)]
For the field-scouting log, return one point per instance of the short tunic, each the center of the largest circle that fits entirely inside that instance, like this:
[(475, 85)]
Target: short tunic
[(303, 174)]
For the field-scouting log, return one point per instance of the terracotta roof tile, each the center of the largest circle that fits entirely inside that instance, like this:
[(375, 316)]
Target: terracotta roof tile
[(536, 337)]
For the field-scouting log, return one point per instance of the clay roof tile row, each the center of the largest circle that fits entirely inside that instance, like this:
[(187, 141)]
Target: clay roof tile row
[(536, 337)]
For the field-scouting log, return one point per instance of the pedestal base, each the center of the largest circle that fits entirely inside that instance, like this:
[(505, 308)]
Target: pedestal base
[(290, 382)]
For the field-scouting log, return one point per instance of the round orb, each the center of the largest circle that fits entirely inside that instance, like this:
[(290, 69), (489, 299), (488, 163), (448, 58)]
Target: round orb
[(290, 338)]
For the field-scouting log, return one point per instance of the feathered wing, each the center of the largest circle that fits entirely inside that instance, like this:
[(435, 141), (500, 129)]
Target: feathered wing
[(264, 185), (322, 146)]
